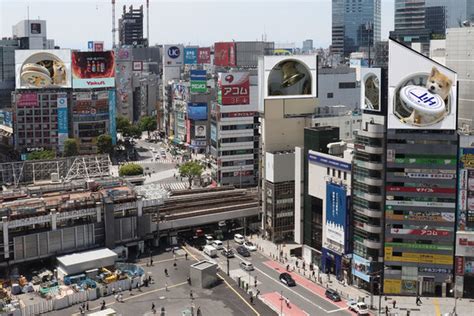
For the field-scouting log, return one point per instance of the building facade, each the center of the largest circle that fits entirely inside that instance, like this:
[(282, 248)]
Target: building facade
[(355, 25), (131, 27), (338, 86)]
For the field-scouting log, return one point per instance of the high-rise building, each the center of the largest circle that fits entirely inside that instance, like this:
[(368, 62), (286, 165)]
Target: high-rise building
[(456, 11), (32, 34), (131, 27), (355, 25), (459, 46), (307, 46), (7, 70)]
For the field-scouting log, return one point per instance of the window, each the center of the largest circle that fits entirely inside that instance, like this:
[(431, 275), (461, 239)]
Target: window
[(328, 171), (347, 85), (330, 95)]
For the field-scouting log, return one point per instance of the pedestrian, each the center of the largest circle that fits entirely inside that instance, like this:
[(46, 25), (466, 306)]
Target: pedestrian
[(84, 306), (408, 312), (251, 299), (198, 311), (386, 310), (255, 281), (130, 291), (153, 308), (175, 266), (87, 306), (81, 311), (189, 280), (258, 292), (418, 301), (186, 256), (166, 286), (163, 312), (121, 298), (174, 256), (287, 267), (102, 307), (172, 250), (191, 294), (151, 261), (166, 272), (113, 291), (394, 304), (288, 303)]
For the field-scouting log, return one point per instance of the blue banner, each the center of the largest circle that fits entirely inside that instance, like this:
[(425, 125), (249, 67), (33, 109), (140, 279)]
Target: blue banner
[(329, 162), (62, 115), (336, 218), (198, 75), (190, 55), (6, 118), (112, 123), (197, 111)]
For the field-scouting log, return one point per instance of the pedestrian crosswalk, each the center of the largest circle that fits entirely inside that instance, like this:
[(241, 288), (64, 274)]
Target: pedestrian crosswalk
[(155, 161), (174, 186)]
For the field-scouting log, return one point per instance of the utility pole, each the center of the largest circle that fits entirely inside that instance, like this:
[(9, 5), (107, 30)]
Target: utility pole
[(281, 303), (228, 262)]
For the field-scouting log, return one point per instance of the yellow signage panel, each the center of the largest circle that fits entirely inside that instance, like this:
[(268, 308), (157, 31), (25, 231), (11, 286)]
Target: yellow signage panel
[(392, 286), (417, 257)]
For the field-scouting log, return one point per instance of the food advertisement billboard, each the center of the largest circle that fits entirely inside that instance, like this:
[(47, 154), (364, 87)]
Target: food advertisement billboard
[(234, 88), (422, 93), (200, 131), (173, 55), (197, 111), (370, 89), (204, 55), (93, 69), (224, 54), (336, 218), (38, 69), (190, 55)]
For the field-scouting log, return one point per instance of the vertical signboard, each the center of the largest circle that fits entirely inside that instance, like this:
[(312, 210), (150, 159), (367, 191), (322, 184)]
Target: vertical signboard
[(213, 132), (173, 55), (204, 55), (62, 120), (422, 93), (112, 116), (336, 215), (466, 185), (224, 54), (190, 55), (198, 81), (234, 88)]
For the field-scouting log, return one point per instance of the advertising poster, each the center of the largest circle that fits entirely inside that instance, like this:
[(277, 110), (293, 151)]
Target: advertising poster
[(361, 268), (190, 55), (112, 117), (98, 46), (63, 130), (173, 55), (336, 215), (200, 131), (370, 89), (213, 133), (234, 88), (422, 93), (137, 65), (465, 244), (26, 100), (39, 69), (289, 77), (124, 83), (198, 81), (93, 69), (224, 54), (180, 91), (123, 54), (197, 111), (204, 55), (6, 118), (466, 189)]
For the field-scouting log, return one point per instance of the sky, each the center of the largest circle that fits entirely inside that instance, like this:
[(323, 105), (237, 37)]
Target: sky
[(71, 23)]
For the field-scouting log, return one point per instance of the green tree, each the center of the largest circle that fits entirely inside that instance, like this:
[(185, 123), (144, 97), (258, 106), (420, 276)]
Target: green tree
[(130, 169), (42, 155), (123, 124), (134, 132), (104, 144), (70, 147), (192, 170), (148, 123)]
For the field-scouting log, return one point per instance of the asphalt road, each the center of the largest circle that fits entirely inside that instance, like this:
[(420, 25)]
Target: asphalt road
[(267, 282)]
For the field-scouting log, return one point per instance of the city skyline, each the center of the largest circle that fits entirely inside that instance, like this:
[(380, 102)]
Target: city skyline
[(205, 29)]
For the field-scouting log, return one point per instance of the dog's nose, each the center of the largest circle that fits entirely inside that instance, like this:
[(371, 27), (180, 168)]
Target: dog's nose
[(432, 88)]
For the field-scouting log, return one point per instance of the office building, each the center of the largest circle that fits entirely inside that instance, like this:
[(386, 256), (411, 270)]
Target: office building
[(7, 70), (354, 25), (234, 131), (307, 46), (456, 11), (338, 86), (459, 46), (32, 34), (435, 21), (338, 116), (131, 28)]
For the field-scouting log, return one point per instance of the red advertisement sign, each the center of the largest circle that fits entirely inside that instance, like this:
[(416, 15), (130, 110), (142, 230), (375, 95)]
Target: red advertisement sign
[(240, 114), (459, 265), (204, 55), (420, 190), (27, 100), (188, 131), (93, 69), (419, 232), (98, 46), (234, 88), (224, 54)]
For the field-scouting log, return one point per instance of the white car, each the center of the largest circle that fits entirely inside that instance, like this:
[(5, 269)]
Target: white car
[(358, 307), (238, 238), (249, 246)]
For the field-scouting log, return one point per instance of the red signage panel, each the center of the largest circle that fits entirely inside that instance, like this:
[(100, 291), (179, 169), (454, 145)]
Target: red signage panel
[(234, 88), (204, 55), (224, 54)]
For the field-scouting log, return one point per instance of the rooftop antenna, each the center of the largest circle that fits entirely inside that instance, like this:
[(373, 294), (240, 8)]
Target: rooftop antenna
[(148, 22), (113, 23)]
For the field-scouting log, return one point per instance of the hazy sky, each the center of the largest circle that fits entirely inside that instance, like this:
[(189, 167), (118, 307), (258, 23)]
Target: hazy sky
[(71, 23)]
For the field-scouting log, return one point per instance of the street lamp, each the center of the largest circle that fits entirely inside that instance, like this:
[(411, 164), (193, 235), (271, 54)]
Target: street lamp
[(281, 303)]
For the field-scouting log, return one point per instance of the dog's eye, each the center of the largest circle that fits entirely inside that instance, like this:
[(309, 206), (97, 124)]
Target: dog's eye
[(432, 81), (440, 85)]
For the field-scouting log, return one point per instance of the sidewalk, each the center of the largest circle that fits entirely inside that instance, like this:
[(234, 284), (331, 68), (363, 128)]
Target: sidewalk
[(405, 305)]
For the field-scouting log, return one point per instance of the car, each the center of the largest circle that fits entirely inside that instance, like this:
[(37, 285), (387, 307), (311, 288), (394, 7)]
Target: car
[(228, 253), (217, 244), (332, 295), (209, 239), (247, 266), (241, 250), (358, 307), (238, 238), (250, 246), (210, 251), (286, 279)]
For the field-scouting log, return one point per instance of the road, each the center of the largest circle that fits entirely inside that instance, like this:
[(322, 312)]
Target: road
[(308, 297)]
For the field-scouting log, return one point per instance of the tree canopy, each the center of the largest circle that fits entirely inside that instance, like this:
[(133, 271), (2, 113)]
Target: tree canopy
[(147, 123), (192, 170), (130, 169), (70, 147), (41, 155), (104, 144)]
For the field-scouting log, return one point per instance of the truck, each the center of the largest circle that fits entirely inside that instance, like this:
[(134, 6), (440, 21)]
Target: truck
[(210, 251), (360, 308)]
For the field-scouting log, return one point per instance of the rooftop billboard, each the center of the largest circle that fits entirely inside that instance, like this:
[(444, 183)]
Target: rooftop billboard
[(93, 69)]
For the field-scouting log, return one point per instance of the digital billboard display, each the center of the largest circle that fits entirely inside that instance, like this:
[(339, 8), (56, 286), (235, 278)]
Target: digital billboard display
[(38, 69), (224, 54), (200, 131), (422, 93), (93, 69), (190, 55), (336, 218), (234, 88), (197, 111), (204, 55)]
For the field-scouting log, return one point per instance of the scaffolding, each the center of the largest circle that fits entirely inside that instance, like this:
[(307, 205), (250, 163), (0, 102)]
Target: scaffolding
[(69, 168)]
